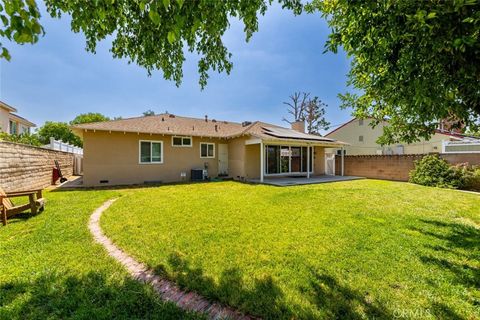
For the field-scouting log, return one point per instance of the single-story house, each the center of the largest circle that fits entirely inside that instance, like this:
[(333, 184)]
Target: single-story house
[(362, 139), (166, 147), (12, 123)]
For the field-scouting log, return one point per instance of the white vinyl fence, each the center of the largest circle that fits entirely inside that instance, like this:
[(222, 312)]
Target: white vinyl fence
[(463, 146), (62, 146)]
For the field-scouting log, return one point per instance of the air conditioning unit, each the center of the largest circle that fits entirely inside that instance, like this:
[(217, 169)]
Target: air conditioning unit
[(197, 174)]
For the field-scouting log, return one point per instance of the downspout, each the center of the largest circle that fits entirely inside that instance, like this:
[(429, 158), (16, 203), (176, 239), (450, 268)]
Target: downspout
[(308, 161), (262, 159), (343, 162)]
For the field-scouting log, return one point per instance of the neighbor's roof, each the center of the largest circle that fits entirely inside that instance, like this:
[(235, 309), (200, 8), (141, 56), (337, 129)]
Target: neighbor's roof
[(444, 132), (8, 107), (176, 125), (22, 120)]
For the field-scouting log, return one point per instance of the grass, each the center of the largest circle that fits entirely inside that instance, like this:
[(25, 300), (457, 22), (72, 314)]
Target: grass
[(358, 249), (51, 269)]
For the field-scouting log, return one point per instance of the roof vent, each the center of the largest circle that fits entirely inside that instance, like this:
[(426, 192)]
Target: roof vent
[(206, 118), (216, 127), (171, 115), (163, 119), (246, 123)]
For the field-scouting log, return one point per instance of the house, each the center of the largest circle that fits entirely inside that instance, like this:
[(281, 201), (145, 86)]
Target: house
[(166, 147), (12, 123), (362, 139)]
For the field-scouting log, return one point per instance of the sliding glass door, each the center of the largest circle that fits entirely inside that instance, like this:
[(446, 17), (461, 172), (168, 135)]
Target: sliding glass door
[(273, 159), (287, 159)]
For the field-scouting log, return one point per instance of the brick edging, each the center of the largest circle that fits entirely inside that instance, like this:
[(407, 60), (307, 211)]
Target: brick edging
[(166, 289)]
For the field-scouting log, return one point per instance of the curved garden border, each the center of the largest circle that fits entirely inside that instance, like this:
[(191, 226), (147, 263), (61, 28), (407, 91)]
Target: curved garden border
[(167, 290)]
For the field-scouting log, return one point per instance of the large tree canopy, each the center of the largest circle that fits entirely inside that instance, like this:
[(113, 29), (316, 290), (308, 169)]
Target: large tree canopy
[(59, 131), (413, 62), (89, 117), (152, 33)]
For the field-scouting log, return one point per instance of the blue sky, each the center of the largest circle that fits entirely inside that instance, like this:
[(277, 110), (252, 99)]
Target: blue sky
[(56, 79)]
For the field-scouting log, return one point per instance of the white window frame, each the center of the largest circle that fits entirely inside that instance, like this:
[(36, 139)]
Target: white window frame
[(183, 145), (12, 124), (207, 143), (140, 151)]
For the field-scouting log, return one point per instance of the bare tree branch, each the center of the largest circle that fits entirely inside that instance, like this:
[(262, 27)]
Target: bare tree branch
[(296, 107)]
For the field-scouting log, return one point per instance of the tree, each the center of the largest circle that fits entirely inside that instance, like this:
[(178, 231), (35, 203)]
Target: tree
[(152, 34), (310, 110), (149, 113), (59, 131), (296, 106), (314, 115), (89, 117), (413, 63)]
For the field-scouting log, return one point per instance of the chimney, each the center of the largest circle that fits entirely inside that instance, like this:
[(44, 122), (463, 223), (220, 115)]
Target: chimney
[(299, 126), (206, 118)]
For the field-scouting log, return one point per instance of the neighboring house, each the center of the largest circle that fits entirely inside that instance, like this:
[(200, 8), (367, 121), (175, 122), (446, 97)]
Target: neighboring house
[(12, 123), (165, 148), (362, 139)]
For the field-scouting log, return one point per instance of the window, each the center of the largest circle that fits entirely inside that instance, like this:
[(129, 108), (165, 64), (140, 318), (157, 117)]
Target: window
[(181, 141), (207, 150), (360, 122), (151, 152), (360, 138), (13, 127)]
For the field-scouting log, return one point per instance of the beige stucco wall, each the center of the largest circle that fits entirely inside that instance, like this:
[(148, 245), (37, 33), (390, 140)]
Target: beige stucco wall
[(351, 132), (252, 163), (236, 158), (319, 161), (4, 117), (115, 157)]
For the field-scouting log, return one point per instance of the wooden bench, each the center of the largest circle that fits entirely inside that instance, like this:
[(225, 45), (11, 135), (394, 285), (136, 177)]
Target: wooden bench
[(35, 204)]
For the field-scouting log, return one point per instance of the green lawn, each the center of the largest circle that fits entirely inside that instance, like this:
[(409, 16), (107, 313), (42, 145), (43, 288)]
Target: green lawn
[(355, 249), (51, 269)]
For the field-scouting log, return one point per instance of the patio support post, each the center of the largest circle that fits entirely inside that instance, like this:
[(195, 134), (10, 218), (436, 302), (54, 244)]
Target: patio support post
[(262, 159), (343, 162), (308, 161)]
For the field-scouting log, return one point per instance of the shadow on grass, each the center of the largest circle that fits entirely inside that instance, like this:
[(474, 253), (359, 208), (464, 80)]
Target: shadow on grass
[(461, 242), (133, 186), (264, 298), (90, 296), (457, 254), (22, 217), (341, 302)]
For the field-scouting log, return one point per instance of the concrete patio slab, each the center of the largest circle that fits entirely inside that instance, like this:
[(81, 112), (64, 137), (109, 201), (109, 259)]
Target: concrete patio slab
[(295, 181)]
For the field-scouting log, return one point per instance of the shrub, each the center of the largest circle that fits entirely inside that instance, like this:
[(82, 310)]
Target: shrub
[(472, 179), (435, 172), (25, 138)]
